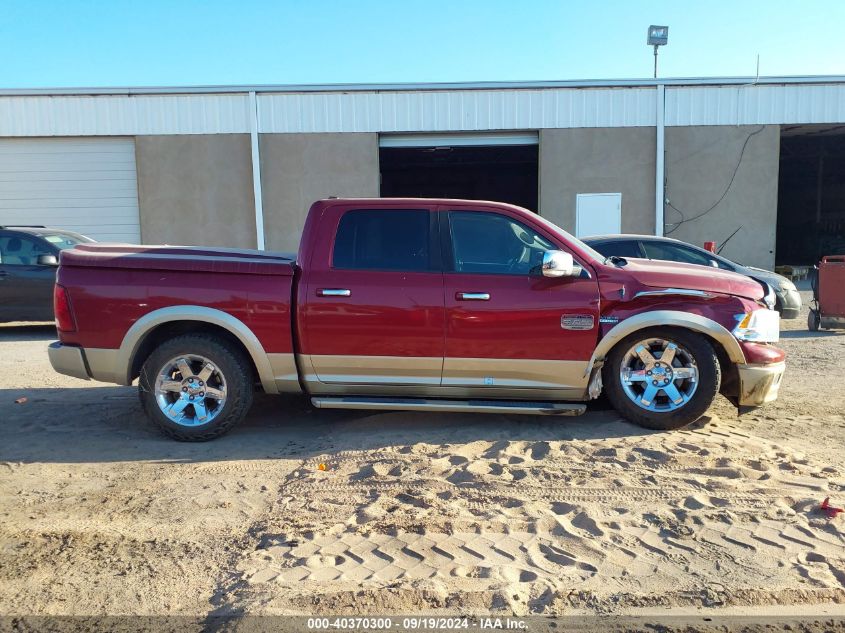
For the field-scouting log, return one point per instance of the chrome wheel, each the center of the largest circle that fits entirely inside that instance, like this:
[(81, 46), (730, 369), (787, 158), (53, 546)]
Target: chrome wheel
[(190, 390), (658, 375)]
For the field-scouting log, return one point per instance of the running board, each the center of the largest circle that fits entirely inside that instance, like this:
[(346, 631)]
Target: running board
[(449, 406)]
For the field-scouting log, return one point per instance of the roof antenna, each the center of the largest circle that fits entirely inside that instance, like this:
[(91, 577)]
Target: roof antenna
[(758, 69)]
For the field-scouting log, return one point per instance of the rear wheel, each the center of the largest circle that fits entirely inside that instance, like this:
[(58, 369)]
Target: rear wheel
[(196, 387), (813, 320), (662, 378)]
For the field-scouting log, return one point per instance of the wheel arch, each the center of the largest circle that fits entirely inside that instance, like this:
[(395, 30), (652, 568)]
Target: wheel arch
[(724, 342), (158, 325)]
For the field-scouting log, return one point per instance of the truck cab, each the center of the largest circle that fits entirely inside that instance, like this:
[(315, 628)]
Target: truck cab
[(417, 304)]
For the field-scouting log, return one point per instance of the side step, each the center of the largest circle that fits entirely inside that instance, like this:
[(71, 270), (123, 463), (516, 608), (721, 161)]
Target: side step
[(449, 406)]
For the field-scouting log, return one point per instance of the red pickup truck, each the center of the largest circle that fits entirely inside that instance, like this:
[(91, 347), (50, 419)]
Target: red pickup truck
[(413, 304)]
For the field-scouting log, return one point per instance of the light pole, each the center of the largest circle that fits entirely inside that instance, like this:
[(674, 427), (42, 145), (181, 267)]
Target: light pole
[(657, 36)]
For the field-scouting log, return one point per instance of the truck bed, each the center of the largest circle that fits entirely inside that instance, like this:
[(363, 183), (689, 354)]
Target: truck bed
[(113, 286)]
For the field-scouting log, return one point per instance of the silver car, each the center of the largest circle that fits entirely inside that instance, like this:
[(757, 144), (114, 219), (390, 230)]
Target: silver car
[(787, 302)]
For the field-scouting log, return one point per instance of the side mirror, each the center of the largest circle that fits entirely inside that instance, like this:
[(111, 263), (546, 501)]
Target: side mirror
[(559, 264), (48, 260)]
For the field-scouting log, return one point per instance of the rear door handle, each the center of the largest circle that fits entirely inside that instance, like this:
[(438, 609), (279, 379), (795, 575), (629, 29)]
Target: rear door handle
[(472, 296), (334, 292)]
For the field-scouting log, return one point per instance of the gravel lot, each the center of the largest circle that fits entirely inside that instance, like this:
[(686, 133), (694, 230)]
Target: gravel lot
[(99, 514)]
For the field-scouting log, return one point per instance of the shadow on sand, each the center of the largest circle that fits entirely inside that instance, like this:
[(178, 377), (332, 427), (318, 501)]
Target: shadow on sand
[(105, 424)]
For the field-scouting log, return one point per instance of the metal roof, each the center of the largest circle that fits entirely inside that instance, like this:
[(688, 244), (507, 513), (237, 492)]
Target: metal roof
[(403, 87), (422, 108)]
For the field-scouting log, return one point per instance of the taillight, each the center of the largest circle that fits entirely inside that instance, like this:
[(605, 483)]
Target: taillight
[(61, 308)]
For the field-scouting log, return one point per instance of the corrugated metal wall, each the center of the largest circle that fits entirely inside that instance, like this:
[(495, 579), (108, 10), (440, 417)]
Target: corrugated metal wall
[(753, 105), (420, 111), (123, 115), (459, 110)]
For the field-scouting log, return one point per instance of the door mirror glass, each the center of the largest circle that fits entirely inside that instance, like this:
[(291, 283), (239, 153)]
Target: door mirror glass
[(559, 264), (48, 260)]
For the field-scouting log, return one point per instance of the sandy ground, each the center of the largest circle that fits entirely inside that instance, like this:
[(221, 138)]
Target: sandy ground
[(446, 513)]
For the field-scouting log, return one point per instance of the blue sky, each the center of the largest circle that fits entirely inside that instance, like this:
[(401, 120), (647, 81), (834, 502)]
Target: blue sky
[(188, 42)]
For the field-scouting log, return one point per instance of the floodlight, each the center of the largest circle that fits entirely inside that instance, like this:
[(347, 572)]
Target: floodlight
[(657, 36)]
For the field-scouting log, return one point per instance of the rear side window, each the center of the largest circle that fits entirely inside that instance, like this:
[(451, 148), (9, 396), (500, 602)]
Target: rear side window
[(384, 239), (675, 253)]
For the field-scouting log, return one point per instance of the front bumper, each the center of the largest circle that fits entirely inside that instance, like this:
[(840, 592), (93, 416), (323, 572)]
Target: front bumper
[(790, 301), (68, 360), (759, 384)]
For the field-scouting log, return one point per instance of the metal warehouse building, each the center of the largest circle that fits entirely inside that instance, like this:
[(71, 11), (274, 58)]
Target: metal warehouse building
[(696, 159)]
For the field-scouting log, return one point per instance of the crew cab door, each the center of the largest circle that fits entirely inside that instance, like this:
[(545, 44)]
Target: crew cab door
[(371, 303), (26, 287), (507, 327)]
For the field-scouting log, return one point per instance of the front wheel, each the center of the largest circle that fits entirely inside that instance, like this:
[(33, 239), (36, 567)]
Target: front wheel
[(196, 387), (662, 378)]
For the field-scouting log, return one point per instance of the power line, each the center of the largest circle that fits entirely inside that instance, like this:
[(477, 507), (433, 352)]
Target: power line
[(684, 219)]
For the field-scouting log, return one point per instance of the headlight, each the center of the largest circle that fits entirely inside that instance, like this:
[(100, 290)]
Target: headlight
[(759, 326)]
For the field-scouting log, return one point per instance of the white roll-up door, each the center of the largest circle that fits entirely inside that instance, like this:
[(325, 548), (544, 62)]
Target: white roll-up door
[(87, 185)]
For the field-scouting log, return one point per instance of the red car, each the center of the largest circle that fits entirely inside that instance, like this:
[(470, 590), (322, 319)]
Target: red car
[(413, 304)]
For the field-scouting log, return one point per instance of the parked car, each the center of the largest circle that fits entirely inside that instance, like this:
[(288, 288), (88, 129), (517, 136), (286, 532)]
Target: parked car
[(413, 304), (787, 297), (28, 259)]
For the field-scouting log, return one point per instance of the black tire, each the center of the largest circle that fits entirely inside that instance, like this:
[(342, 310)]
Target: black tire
[(231, 363), (709, 379), (813, 320)]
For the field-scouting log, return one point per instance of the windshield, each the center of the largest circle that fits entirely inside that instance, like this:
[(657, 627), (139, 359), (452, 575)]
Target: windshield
[(66, 240), (588, 250)]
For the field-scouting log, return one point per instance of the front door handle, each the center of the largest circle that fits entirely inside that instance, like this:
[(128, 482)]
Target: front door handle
[(472, 296), (334, 292)]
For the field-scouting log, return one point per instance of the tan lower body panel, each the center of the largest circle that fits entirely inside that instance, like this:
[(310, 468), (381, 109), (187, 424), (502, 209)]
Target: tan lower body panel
[(105, 365), (382, 370), (285, 374), (470, 377), (514, 373)]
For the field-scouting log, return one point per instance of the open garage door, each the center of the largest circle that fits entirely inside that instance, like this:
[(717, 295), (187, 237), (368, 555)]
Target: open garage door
[(87, 185), (811, 194), (486, 166)]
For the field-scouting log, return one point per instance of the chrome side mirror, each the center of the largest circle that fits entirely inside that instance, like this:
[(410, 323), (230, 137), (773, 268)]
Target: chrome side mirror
[(559, 264)]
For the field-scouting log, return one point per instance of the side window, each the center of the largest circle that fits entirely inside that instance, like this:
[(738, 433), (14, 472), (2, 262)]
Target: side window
[(620, 248), (674, 253), (383, 239), (491, 243), (18, 250)]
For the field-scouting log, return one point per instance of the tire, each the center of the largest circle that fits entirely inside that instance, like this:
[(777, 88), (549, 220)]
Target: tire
[(813, 320), (162, 385), (694, 358)]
